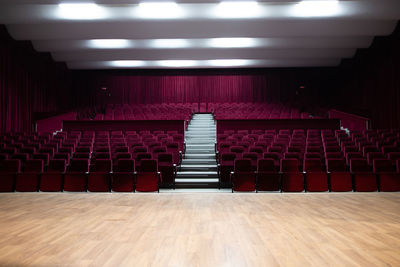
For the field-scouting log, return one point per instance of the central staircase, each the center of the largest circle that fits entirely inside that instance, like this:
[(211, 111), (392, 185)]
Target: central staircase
[(199, 167)]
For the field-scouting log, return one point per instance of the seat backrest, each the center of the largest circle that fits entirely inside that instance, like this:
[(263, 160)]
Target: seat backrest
[(228, 157), (103, 165), (237, 149), (383, 165), (336, 165), (42, 156), (272, 155), (242, 165), (165, 158), (148, 165), (141, 156), (333, 155), (11, 165), (140, 149), (250, 155), (359, 165), (122, 155), (289, 165), (33, 165), (266, 165), (313, 165), (79, 165), (125, 165), (57, 165), (82, 155)]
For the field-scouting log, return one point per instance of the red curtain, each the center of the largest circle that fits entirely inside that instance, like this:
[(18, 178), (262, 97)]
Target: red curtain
[(272, 85), (369, 84), (29, 82)]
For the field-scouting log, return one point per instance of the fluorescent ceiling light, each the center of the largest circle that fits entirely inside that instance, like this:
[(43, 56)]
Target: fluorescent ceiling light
[(169, 43), (231, 42), (176, 63), (229, 62), (81, 11), (127, 63), (237, 9), (159, 10), (109, 43), (318, 8)]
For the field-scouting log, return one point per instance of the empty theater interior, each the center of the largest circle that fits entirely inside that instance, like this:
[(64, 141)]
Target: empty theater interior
[(199, 133)]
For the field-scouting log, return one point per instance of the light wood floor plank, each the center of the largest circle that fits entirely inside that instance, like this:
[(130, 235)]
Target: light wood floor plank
[(199, 229)]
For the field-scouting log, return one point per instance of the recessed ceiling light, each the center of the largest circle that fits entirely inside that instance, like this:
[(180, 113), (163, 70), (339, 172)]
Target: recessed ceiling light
[(229, 62), (109, 43), (176, 63), (159, 10), (127, 63), (317, 8), (81, 11), (231, 42), (169, 43), (237, 9)]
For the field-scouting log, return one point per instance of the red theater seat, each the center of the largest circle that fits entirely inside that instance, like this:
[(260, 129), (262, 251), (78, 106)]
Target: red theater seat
[(123, 176), (364, 179), (8, 170), (147, 176), (52, 179), (99, 179), (243, 177), (316, 176), (225, 167), (167, 169), (28, 180), (75, 179), (389, 180), (340, 178), (268, 177), (292, 178)]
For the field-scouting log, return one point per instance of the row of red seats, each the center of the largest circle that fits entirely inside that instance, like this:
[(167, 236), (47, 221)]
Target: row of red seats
[(255, 111), (126, 176), (148, 112), (315, 178)]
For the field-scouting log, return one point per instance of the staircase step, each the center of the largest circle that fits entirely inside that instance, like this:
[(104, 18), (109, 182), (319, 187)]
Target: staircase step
[(201, 167), (197, 174), (198, 161), (196, 183)]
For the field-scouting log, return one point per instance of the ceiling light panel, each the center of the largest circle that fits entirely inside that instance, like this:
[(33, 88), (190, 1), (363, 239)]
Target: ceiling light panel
[(316, 8), (109, 43), (237, 9), (169, 43), (232, 42), (159, 10), (81, 11), (127, 63)]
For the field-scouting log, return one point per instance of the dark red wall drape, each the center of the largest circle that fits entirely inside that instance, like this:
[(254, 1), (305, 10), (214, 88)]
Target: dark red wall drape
[(369, 84), (272, 85), (29, 82)]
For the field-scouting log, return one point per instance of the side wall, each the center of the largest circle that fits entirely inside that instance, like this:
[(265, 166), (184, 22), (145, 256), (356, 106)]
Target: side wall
[(29, 82), (369, 84)]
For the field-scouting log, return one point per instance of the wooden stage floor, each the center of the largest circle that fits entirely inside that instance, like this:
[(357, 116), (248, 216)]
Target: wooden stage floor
[(200, 229)]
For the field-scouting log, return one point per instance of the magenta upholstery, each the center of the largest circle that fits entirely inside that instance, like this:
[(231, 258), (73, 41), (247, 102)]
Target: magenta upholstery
[(147, 176), (268, 177), (8, 170), (225, 168), (243, 177), (167, 169), (75, 179), (52, 179), (123, 176), (28, 180), (99, 178)]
